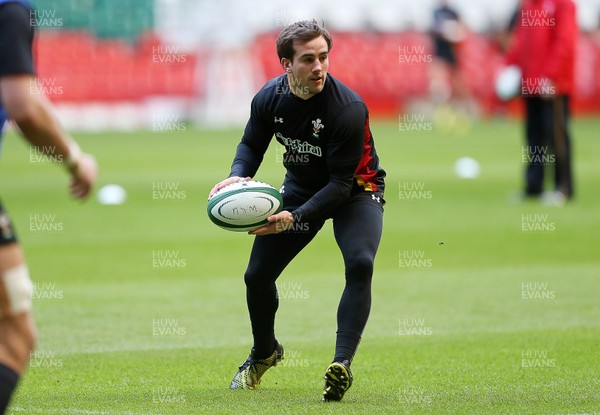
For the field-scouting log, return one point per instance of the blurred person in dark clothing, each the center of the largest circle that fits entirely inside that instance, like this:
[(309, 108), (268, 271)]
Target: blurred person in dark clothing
[(543, 46)]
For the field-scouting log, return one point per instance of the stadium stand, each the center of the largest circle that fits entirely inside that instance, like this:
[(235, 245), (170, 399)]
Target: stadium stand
[(105, 54)]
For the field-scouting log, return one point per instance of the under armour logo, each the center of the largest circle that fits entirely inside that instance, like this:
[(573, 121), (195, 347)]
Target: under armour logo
[(279, 120), (377, 198)]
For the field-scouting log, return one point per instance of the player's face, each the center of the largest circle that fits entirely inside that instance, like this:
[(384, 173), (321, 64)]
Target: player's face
[(307, 71)]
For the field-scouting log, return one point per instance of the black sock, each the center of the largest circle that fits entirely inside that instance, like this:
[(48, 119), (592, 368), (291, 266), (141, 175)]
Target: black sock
[(346, 345), (352, 316), (262, 305), (8, 383)]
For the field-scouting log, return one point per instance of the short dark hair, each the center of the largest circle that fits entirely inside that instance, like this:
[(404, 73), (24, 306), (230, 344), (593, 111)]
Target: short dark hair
[(303, 31)]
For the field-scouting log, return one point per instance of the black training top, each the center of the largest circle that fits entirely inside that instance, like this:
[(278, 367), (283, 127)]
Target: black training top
[(328, 142), (443, 48), (16, 38)]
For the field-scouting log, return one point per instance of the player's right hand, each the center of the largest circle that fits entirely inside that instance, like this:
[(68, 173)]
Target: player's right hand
[(228, 181), (83, 176)]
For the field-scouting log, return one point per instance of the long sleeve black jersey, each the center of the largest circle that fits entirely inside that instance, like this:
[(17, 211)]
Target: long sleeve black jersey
[(329, 149)]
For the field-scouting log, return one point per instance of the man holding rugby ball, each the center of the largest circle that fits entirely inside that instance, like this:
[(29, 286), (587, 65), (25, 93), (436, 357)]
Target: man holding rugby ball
[(332, 172)]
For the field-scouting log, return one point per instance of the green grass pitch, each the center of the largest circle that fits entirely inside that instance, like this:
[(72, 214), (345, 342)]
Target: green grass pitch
[(481, 305)]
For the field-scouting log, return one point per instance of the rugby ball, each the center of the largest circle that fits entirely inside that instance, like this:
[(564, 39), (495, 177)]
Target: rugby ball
[(508, 82), (244, 206)]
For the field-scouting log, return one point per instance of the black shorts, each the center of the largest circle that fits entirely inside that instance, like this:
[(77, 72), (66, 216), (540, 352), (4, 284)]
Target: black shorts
[(294, 197), (7, 232), (357, 227), (444, 50)]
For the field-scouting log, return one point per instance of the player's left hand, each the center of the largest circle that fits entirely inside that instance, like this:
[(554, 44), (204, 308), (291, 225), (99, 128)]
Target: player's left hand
[(277, 223), (83, 176)]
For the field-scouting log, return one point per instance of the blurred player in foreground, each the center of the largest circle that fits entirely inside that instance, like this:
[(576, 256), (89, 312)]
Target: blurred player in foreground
[(332, 172), (33, 114), (543, 47)]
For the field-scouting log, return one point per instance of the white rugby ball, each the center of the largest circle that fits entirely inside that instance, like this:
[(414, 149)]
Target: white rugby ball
[(508, 82), (244, 206), (467, 168), (111, 194)]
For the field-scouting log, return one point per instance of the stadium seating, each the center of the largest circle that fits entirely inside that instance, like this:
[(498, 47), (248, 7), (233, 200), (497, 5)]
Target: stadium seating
[(370, 63), (90, 69)]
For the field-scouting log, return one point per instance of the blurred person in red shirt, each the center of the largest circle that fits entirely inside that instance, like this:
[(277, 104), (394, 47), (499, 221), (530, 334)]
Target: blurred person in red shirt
[(543, 47)]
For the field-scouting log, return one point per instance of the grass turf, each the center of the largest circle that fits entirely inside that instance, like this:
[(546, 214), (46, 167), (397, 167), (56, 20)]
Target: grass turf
[(141, 307)]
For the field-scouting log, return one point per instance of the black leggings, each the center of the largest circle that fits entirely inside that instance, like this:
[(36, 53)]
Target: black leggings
[(547, 130), (357, 227)]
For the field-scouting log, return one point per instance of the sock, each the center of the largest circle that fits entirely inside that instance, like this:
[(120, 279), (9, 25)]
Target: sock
[(346, 345), (262, 305), (8, 383), (265, 351)]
